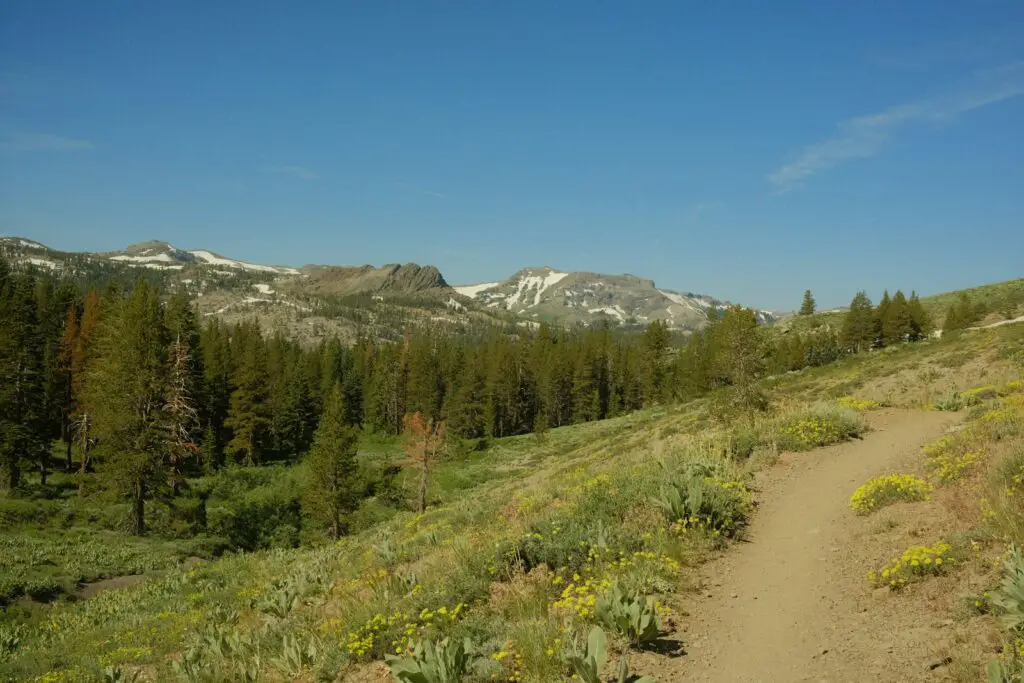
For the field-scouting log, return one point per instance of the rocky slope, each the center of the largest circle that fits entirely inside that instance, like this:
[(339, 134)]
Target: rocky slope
[(315, 300), (548, 294)]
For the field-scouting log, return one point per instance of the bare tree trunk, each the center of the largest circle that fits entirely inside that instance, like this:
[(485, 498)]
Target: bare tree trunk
[(139, 511), (11, 476), (423, 487)]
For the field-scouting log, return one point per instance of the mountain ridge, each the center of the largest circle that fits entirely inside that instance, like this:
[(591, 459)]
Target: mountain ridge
[(533, 294)]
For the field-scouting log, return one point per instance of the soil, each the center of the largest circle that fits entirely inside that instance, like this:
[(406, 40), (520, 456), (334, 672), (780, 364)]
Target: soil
[(792, 602), (93, 588)]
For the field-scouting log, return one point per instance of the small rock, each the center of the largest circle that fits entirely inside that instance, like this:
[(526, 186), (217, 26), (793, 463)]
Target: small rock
[(735, 595), (882, 593)]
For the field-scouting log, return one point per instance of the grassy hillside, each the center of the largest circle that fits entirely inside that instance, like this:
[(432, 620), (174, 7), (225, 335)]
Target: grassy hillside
[(518, 553), (998, 299)]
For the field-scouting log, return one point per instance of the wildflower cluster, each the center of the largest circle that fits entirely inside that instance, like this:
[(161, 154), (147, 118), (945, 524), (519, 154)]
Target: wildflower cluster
[(125, 654), (707, 505), (392, 632), (854, 403), (888, 489), (73, 674), (511, 663), (950, 457), (981, 393), (579, 597), (916, 562), (812, 432)]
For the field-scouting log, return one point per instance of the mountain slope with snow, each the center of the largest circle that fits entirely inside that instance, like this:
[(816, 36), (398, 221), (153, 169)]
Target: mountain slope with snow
[(571, 298), (225, 287)]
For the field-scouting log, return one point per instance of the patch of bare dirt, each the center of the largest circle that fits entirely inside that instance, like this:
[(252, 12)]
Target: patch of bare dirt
[(94, 588)]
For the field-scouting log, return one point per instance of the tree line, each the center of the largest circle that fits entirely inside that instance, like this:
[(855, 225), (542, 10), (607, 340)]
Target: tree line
[(147, 395)]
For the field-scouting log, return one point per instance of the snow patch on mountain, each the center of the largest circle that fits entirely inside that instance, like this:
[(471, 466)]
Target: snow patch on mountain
[(263, 288), (615, 311), (537, 284), (43, 263), (163, 257), (212, 259), (472, 290)]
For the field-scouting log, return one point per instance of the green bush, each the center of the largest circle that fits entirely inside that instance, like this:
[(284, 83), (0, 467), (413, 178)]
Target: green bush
[(441, 662), (822, 425), (701, 500), (954, 401), (629, 614), (265, 517)]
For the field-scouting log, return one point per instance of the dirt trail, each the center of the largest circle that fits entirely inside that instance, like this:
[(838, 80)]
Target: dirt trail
[(792, 604)]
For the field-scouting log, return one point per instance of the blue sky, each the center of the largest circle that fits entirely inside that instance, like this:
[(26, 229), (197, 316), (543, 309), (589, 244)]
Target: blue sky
[(746, 150)]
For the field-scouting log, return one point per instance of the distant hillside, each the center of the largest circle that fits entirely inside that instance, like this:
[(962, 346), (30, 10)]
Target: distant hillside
[(998, 300), (313, 300), (307, 303), (546, 294)]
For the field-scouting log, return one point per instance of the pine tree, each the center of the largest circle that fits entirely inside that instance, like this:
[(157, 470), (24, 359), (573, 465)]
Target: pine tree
[(655, 345), (741, 359), (210, 450), (126, 390), (216, 395), (182, 417), (808, 306), (68, 342), (52, 306), (920, 322), (352, 395), (24, 433), (858, 331), (882, 313), (424, 439), (81, 356), (467, 410), (297, 421), (897, 325), (332, 492), (248, 417)]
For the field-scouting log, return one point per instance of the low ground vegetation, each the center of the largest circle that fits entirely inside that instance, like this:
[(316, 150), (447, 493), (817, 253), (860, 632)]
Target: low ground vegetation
[(528, 546)]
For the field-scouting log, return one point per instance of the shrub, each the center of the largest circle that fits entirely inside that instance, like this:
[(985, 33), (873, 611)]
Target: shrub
[(743, 441), (820, 426), (1008, 601), (916, 563), (951, 456), (266, 517), (629, 614), (1004, 507), (706, 504), (441, 662), (955, 401), (854, 403), (1009, 597), (888, 489), (589, 664)]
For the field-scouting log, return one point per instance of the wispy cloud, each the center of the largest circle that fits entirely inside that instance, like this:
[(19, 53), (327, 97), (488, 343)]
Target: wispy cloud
[(866, 136), (300, 172), (700, 209), (416, 189), (42, 142)]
